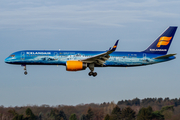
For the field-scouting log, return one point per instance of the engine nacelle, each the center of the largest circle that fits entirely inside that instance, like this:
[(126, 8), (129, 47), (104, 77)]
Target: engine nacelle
[(73, 65)]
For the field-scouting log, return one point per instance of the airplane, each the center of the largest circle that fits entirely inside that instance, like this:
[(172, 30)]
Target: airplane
[(80, 60)]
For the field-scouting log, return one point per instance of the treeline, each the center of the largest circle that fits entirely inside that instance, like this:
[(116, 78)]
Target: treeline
[(136, 109), (117, 113), (150, 102)]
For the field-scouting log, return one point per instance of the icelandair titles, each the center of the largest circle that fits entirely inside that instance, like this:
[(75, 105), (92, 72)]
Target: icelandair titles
[(158, 49), (38, 52)]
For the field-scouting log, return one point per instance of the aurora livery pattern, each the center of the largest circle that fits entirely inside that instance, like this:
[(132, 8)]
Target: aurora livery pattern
[(80, 60)]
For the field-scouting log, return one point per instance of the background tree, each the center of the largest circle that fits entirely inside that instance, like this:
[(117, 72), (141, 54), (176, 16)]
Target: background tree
[(98, 113), (83, 117), (30, 115), (90, 114), (145, 113), (116, 110), (135, 101), (109, 107), (157, 115), (16, 116), (167, 111), (61, 115), (128, 114), (115, 114), (52, 114), (107, 117), (40, 116), (73, 117), (57, 115), (171, 108)]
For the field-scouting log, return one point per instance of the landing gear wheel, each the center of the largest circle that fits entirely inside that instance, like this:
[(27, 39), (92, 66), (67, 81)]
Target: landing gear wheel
[(90, 73), (25, 72), (94, 74)]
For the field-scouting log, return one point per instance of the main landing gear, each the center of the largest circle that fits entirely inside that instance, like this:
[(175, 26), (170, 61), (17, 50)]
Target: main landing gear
[(25, 72), (93, 74), (91, 67)]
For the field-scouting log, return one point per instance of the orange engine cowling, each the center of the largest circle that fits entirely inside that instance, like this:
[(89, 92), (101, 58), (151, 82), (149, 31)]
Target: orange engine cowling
[(73, 65)]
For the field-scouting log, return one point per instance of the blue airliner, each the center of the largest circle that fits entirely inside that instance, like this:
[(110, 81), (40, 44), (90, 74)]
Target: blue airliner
[(80, 60)]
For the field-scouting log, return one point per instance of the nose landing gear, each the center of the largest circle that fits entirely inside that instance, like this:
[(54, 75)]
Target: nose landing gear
[(25, 72)]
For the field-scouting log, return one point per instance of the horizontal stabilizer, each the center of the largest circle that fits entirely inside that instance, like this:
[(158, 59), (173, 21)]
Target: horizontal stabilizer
[(164, 56)]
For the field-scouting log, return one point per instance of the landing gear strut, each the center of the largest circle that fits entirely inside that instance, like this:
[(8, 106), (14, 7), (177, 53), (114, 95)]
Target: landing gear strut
[(91, 67), (25, 72)]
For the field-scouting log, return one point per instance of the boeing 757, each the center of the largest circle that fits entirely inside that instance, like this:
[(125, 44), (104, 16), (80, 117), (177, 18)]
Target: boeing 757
[(80, 60)]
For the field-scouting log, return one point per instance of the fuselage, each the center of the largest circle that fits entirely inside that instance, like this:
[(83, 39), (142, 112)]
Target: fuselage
[(80, 60), (116, 59)]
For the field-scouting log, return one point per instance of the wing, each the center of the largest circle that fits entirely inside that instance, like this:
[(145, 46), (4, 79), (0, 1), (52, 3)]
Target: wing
[(164, 56), (101, 58)]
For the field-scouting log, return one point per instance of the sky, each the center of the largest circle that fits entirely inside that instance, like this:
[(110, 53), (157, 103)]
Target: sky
[(86, 25)]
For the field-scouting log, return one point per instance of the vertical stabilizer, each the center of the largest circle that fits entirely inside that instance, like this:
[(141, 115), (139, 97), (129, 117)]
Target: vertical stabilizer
[(162, 43)]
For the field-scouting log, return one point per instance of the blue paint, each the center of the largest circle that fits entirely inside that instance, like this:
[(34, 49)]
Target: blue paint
[(114, 59)]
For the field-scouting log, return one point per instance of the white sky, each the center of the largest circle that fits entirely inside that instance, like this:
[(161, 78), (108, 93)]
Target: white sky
[(86, 25)]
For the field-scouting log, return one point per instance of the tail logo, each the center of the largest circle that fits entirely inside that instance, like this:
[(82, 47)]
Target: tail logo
[(163, 41), (114, 46)]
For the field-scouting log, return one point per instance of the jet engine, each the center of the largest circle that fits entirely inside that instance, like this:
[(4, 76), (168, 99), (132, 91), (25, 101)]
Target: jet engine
[(73, 65)]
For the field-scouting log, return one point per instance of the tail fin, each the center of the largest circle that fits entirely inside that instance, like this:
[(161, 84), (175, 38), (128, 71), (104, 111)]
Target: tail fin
[(162, 43)]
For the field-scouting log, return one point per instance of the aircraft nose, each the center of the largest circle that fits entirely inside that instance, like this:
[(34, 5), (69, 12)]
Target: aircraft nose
[(7, 60)]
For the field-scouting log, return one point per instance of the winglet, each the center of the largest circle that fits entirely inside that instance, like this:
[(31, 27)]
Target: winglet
[(115, 46)]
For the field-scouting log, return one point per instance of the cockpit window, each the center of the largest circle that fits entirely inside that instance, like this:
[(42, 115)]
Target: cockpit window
[(12, 56)]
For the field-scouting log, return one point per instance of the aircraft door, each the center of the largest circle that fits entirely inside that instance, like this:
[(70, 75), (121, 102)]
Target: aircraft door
[(56, 56), (144, 56), (22, 55)]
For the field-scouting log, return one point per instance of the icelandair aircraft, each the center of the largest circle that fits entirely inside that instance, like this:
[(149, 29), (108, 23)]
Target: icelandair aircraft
[(80, 60)]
